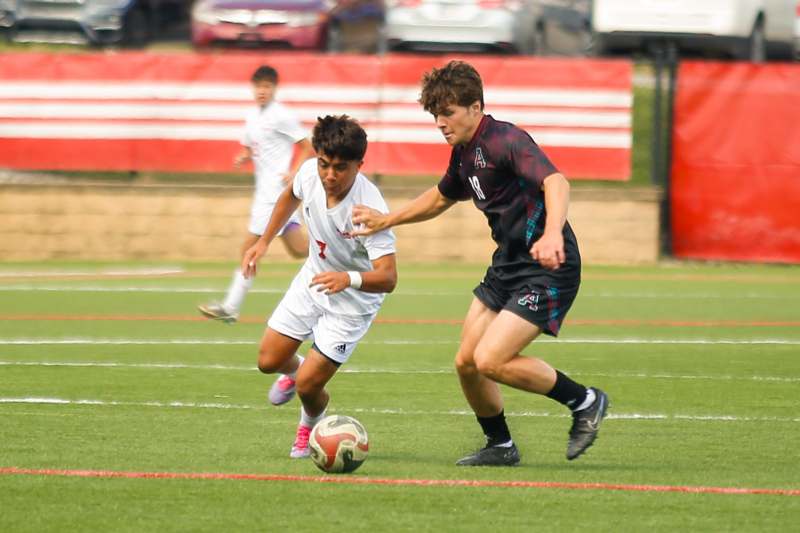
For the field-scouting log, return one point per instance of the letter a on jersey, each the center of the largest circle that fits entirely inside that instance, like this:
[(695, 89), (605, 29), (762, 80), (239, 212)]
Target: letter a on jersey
[(480, 162)]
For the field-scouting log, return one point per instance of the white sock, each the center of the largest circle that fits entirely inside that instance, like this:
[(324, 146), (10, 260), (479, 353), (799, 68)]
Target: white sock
[(310, 421), (293, 375), (508, 444), (236, 292), (588, 401)]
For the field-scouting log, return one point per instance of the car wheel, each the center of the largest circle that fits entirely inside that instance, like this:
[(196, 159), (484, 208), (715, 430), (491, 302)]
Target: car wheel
[(136, 31)]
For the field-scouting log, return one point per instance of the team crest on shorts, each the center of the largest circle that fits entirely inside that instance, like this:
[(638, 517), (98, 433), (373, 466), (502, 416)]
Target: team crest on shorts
[(531, 301)]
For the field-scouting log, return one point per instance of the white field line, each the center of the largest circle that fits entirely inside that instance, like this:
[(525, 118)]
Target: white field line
[(393, 342), (401, 412), (733, 295), (357, 370), (105, 272)]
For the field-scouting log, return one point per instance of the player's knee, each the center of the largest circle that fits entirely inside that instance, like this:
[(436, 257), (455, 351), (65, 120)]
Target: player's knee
[(298, 253), (465, 363), (486, 364), (267, 362)]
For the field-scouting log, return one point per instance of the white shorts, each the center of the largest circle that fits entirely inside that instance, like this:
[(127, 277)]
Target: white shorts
[(259, 217), (299, 317)]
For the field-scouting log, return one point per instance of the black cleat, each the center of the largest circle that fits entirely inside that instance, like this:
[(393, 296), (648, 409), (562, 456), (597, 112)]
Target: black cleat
[(492, 456), (586, 424)]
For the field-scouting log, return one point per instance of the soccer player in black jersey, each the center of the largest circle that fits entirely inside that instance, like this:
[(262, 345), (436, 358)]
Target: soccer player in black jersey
[(535, 271)]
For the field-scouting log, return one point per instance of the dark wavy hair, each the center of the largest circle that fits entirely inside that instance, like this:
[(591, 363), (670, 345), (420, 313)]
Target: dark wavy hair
[(340, 136), (265, 73), (456, 83)]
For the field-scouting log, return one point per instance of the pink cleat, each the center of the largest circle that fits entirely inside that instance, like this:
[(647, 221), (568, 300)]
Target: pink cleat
[(282, 390), (300, 446)]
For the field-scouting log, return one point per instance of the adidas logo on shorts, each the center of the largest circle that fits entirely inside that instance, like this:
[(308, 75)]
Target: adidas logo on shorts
[(341, 348)]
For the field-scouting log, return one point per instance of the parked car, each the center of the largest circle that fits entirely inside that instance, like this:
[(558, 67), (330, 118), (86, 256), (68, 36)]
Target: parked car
[(309, 24), (7, 16), (461, 25), (797, 31), (564, 27), (99, 22), (745, 29)]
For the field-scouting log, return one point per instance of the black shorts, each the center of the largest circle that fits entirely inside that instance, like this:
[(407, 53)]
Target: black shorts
[(540, 297)]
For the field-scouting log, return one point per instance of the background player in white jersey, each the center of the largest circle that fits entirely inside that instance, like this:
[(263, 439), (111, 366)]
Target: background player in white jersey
[(271, 133), (342, 284)]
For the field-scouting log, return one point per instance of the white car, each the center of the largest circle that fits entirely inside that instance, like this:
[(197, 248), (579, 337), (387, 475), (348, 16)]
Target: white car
[(460, 25), (797, 31), (745, 29)]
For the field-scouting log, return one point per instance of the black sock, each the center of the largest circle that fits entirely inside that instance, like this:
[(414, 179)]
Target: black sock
[(495, 429), (567, 392)]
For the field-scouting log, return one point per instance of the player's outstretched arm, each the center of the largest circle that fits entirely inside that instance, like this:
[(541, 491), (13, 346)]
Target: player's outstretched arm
[(428, 205), (382, 278), (285, 206), (548, 250)]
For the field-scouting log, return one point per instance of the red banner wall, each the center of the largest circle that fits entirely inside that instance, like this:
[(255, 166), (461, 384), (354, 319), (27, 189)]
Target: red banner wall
[(736, 162), (184, 112)]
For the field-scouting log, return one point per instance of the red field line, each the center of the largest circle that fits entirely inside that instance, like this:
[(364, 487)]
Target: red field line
[(350, 480), (745, 278), (427, 321)]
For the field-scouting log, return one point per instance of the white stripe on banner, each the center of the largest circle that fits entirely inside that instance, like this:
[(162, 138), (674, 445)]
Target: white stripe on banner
[(91, 130), (529, 96), (237, 112)]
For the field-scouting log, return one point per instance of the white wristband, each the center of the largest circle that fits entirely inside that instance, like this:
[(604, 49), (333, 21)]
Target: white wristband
[(355, 279)]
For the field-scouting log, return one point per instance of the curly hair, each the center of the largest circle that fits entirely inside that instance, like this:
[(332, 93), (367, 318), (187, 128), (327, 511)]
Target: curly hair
[(456, 83), (339, 136)]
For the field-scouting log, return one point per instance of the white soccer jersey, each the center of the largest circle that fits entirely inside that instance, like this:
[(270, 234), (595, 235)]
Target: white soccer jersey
[(271, 133), (332, 248)]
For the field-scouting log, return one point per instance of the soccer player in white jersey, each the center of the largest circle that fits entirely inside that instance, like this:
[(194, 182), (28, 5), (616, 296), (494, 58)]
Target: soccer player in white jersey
[(271, 133), (342, 284)]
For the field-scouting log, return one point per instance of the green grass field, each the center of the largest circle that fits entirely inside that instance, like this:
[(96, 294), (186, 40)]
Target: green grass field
[(105, 367)]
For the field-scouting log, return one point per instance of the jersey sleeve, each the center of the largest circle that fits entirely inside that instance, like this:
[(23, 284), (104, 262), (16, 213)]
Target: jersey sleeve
[(289, 125), (451, 186), (528, 161), (383, 242)]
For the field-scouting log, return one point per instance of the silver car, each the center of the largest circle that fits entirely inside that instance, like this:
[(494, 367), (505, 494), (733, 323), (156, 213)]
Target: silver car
[(461, 25)]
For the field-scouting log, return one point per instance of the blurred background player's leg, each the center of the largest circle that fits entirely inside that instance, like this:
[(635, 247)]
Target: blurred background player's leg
[(228, 310), (296, 243)]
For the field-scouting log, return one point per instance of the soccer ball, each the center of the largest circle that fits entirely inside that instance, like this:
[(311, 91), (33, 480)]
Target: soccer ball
[(338, 444)]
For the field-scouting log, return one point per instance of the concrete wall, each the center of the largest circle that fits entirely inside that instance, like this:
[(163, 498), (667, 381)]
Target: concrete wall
[(156, 222)]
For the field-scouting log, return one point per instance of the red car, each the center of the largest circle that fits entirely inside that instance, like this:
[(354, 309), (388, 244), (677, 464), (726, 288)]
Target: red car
[(307, 24)]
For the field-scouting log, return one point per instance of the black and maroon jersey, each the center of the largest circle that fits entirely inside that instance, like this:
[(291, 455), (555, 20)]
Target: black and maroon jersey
[(502, 169)]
